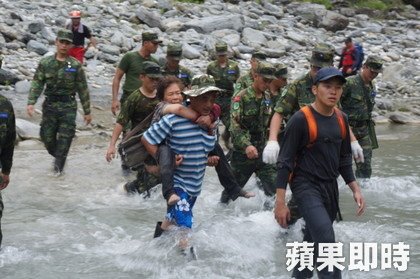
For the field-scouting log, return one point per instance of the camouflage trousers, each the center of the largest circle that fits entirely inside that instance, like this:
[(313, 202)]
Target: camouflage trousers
[(58, 127), (1, 215), (143, 182), (364, 170), (243, 168), (224, 103)]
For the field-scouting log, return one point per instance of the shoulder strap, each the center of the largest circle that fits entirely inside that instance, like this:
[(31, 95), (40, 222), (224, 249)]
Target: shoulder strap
[(141, 126), (312, 126), (341, 122)]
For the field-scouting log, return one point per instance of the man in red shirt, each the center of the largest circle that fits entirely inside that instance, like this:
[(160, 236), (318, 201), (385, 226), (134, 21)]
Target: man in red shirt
[(80, 32), (348, 58)]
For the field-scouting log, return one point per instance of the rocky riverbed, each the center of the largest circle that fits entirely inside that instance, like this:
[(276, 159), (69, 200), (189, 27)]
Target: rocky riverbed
[(285, 30)]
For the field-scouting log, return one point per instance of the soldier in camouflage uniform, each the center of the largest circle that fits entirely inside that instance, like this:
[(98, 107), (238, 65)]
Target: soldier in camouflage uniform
[(250, 116), (225, 73), (136, 108), (131, 65), (279, 83), (61, 76), (172, 67), (294, 96), (7, 146), (247, 79), (357, 102)]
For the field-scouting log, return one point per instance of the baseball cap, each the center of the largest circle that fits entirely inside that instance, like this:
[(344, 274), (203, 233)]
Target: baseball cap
[(150, 36), (266, 70), (151, 69), (201, 84), (221, 48), (174, 50), (259, 55), (322, 55), (328, 72), (281, 70), (66, 35), (374, 63)]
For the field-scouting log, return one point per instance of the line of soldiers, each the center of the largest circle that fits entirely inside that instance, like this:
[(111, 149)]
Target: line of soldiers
[(254, 105)]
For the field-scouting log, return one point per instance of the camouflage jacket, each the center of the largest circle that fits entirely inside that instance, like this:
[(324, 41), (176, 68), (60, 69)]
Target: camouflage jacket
[(182, 73), (295, 96), (243, 82), (136, 108), (60, 78), (250, 119), (358, 99), (226, 77), (7, 134)]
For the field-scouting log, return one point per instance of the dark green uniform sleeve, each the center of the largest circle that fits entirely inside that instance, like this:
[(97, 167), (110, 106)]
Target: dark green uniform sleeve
[(242, 138), (127, 109), (287, 101), (83, 90), (37, 85), (7, 134)]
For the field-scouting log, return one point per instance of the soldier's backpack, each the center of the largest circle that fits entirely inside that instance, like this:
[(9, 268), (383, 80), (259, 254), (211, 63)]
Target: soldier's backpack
[(359, 56), (131, 150)]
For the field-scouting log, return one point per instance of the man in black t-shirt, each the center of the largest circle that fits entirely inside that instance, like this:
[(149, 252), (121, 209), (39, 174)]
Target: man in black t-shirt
[(80, 32), (315, 163)]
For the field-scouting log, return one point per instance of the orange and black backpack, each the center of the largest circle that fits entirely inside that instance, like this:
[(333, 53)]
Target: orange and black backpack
[(313, 127)]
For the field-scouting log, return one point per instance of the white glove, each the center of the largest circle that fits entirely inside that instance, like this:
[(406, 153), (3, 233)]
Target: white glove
[(357, 151), (271, 152)]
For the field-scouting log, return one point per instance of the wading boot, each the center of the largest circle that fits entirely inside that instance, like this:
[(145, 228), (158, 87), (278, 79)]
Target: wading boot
[(59, 164)]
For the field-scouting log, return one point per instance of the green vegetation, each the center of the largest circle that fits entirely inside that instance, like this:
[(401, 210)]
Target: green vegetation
[(369, 4), (326, 3)]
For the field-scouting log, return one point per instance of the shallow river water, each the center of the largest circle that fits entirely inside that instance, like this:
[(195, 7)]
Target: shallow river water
[(82, 225)]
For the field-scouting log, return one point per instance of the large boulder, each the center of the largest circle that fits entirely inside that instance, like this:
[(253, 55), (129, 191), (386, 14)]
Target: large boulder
[(26, 129), (7, 78), (209, 24)]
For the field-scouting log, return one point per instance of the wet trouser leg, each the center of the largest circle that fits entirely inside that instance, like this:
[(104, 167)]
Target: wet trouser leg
[(49, 129), (319, 217), (66, 132), (267, 174), (143, 182), (1, 215), (364, 170), (242, 169), (166, 160), (225, 175)]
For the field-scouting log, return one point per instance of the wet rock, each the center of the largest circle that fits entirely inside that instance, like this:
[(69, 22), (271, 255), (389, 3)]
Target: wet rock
[(26, 129), (7, 77), (400, 118)]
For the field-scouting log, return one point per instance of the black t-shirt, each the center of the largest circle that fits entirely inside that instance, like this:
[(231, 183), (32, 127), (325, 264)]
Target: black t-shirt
[(79, 38), (327, 158)]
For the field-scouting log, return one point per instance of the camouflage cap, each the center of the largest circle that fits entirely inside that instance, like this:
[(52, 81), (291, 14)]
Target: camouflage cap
[(66, 35), (201, 84), (151, 69), (374, 63), (259, 55), (174, 50), (281, 71), (266, 70), (151, 37), (221, 48), (322, 55)]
